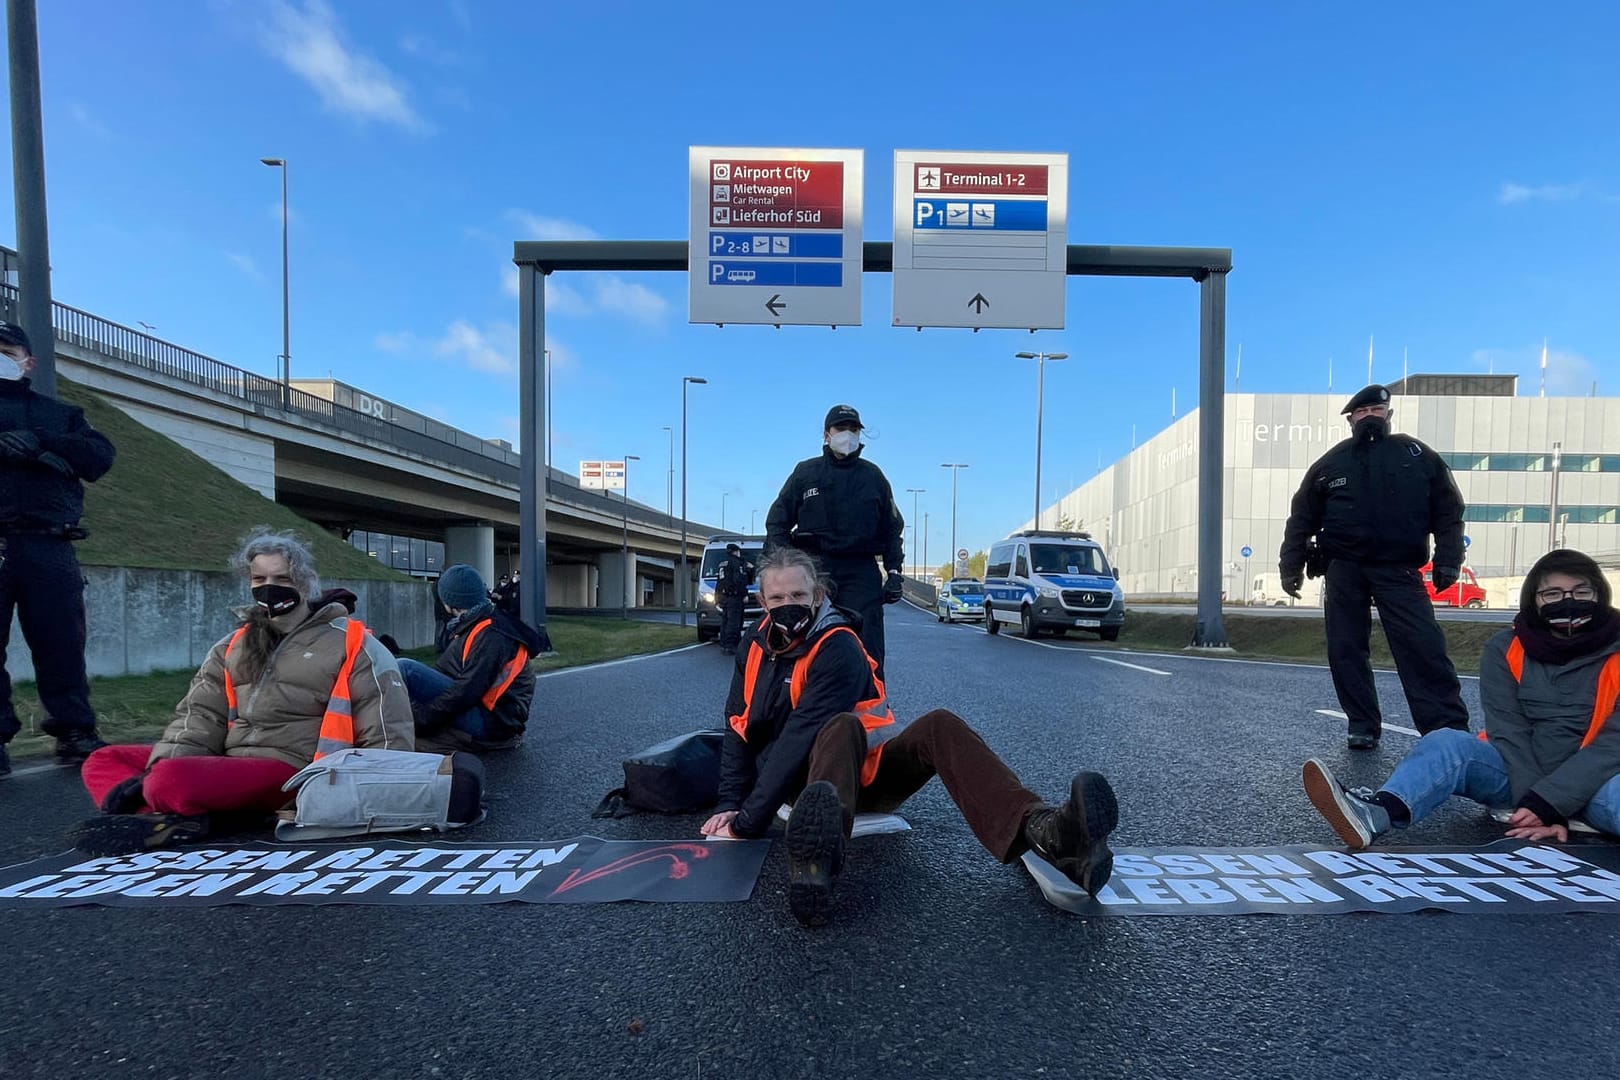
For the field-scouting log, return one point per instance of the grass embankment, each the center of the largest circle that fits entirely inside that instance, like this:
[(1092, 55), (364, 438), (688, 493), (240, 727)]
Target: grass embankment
[(164, 507), (1280, 637), (136, 708)]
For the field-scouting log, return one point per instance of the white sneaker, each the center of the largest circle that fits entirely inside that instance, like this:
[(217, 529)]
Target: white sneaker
[(1577, 825), (1500, 816)]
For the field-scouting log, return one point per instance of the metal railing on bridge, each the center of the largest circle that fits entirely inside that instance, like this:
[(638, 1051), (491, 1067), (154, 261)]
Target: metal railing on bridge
[(426, 438)]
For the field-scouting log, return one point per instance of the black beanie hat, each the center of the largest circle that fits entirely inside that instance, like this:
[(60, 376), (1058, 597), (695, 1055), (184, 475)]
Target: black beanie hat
[(1562, 561)]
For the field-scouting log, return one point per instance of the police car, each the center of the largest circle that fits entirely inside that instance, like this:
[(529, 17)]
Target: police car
[(1052, 581), (709, 616), (959, 598)]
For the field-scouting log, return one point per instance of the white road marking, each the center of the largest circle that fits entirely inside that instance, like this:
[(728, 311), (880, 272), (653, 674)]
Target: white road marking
[(32, 769), (622, 660), (1387, 726), (1121, 663)]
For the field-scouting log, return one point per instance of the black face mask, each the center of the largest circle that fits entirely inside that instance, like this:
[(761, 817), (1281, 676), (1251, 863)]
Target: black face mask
[(1569, 616), (1370, 428), (789, 624), (276, 600)]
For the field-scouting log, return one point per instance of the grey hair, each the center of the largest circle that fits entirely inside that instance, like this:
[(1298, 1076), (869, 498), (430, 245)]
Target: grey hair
[(300, 563), (789, 558)]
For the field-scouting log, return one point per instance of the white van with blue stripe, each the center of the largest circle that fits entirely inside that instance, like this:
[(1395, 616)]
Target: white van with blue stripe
[(1051, 581)]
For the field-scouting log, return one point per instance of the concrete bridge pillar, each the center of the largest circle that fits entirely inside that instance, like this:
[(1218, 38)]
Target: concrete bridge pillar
[(616, 580), (474, 545)]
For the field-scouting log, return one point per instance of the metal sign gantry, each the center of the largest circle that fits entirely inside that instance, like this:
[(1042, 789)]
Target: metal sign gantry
[(1207, 266)]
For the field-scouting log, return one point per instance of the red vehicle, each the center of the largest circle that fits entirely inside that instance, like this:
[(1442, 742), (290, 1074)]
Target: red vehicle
[(1466, 593)]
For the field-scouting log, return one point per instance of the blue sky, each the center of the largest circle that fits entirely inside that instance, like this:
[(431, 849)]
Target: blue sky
[(1445, 179)]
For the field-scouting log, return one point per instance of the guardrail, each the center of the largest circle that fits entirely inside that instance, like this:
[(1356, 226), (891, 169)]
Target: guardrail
[(451, 447)]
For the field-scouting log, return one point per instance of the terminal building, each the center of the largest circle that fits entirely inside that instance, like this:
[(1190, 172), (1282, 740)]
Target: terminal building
[(1535, 472)]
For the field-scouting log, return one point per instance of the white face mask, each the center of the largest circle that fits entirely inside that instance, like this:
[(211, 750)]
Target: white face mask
[(10, 370), (844, 443)]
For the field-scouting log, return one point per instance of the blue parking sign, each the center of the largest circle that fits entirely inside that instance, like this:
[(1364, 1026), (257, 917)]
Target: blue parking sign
[(1247, 550)]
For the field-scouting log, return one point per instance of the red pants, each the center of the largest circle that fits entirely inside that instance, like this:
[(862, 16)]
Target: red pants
[(190, 785)]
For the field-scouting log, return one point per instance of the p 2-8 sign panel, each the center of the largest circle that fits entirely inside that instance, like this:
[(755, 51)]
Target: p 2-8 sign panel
[(775, 236), (980, 239)]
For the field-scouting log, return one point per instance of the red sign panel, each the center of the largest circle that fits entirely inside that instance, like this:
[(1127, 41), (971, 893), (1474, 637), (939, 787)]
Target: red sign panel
[(947, 179), (777, 194)]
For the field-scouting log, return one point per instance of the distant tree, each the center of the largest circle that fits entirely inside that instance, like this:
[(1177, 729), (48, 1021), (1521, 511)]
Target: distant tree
[(1069, 524)]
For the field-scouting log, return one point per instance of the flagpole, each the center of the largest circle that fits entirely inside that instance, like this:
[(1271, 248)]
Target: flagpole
[(1543, 367), (1369, 359)]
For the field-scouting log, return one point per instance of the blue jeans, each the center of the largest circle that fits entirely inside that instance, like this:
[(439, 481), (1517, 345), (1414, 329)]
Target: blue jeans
[(424, 684), (1447, 762)]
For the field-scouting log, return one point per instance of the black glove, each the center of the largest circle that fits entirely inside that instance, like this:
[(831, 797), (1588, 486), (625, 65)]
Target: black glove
[(1292, 582), (19, 445), (56, 463), (894, 588), (125, 797), (1445, 577)]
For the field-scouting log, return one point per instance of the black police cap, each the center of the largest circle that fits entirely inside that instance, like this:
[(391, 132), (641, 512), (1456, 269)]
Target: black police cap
[(842, 414), (12, 334), (1372, 395)]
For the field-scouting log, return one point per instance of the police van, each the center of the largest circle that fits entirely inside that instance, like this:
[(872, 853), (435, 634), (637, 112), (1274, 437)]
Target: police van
[(1052, 581), (709, 615)]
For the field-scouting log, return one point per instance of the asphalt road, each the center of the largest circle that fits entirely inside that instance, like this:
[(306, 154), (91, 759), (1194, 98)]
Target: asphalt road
[(1314, 611), (941, 962)]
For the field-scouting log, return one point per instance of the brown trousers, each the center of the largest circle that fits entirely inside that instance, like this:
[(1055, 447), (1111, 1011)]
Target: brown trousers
[(991, 799)]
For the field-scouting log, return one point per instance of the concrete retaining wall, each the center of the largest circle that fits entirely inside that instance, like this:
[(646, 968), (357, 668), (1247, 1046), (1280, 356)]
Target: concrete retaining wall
[(155, 620)]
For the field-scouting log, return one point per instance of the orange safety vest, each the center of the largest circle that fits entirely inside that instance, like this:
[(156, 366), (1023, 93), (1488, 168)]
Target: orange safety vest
[(1608, 688), (511, 671), (337, 723), (874, 712)]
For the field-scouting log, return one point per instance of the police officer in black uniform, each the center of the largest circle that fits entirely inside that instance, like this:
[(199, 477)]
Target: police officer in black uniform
[(1371, 503), (46, 449), (731, 590), (839, 507)]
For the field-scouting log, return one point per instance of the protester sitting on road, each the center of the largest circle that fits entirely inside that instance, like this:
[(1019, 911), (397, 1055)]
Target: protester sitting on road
[(294, 682), (808, 722), (1549, 688), (478, 695)]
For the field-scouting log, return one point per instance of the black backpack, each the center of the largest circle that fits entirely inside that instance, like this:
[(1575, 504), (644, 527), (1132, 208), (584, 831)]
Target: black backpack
[(677, 776)]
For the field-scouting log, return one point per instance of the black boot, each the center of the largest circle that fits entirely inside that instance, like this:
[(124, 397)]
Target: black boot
[(1073, 837), (75, 746), (126, 834), (815, 843)]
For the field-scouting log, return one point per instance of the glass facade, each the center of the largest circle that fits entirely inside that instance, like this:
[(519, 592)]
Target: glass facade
[(408, 554), (1493, 462)]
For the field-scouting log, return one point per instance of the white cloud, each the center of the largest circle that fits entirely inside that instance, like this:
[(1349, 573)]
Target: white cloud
[(83, 117), (1520, 193), (493, 349), (540, 227), (245, 264), (392, 342), (1568, 373), (615, 295), (309, 40)]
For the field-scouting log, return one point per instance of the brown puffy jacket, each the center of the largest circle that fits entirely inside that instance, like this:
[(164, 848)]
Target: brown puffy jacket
[(279, 717)]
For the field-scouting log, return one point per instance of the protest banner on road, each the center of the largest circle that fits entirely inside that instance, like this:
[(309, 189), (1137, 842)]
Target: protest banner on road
[(584, 870), (1511, 878)]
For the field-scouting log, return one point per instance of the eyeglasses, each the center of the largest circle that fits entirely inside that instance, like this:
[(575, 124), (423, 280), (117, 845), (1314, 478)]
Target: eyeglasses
[(1579, 592)]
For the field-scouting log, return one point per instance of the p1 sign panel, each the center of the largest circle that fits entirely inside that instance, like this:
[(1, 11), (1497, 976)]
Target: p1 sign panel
[(980, 239)]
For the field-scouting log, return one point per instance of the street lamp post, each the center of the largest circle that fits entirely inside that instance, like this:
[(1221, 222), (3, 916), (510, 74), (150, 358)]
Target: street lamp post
[(624, 583), (925, 544), (1552, 511), (914, 492), (286, 322), (669, 496), (751, 515), (955, 467), (681, 587), (1040, 359), (723, 511)]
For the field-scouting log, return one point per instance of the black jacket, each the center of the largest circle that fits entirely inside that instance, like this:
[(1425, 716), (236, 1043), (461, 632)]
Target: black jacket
[(33, 495), (759, 774), (733, 578), (838, 506), (482, 669), (1376, 502)]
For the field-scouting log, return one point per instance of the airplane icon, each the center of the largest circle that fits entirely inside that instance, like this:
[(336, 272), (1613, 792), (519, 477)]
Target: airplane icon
[(928, 179), (956, 214)]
